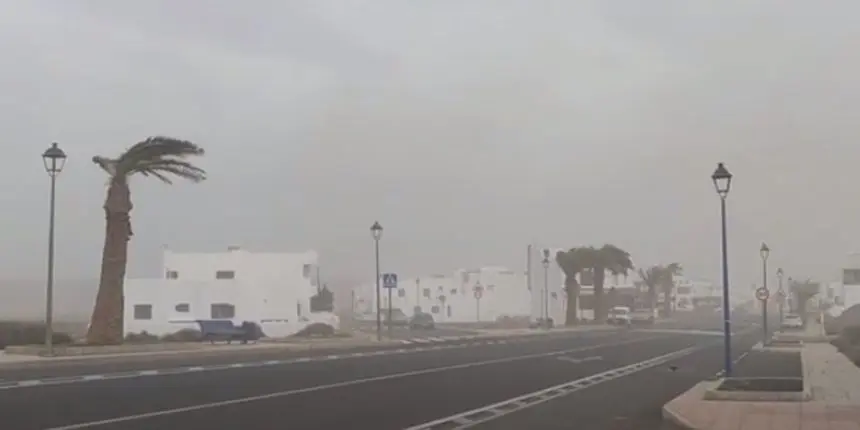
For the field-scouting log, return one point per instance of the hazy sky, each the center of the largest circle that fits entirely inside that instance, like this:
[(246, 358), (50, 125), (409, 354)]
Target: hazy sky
[(469, 128)]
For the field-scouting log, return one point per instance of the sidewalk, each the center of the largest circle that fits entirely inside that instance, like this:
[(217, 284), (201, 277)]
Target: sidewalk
[(834, 382)]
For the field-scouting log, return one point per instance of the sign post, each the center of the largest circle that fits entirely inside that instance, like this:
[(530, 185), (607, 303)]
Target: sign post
[(763, 294), (389, 282), (479, 292)]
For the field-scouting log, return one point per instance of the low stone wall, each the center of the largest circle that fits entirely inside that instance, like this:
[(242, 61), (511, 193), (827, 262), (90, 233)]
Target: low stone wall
[(78, 350)]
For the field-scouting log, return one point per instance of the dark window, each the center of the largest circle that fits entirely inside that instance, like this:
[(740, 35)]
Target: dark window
[(171, 274), (427, 293), (225, 274), (183, 307), (434, 309), (453, 291), (306, 271), (143, 312), (851, 276), (586, 278), (401, 292), (222, 311)]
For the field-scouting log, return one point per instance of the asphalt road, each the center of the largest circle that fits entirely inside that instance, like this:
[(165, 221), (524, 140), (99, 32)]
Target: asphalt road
[(396, 390)]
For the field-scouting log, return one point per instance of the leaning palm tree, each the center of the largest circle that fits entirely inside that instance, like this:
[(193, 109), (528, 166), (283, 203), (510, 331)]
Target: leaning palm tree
[(159, 157), (651, 278), (608, 258), (570, 263)]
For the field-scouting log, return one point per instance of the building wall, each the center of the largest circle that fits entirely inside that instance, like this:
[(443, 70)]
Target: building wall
[(452, 298), (272, 289)]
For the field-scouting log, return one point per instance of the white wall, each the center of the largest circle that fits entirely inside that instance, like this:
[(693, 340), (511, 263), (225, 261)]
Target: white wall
[(272, 289), (504, 293)]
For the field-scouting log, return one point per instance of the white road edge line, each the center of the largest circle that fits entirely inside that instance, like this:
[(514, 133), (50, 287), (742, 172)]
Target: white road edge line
[(143, 416), (505, 407)]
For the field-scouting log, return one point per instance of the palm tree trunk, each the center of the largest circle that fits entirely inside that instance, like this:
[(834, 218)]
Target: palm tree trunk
[(106, 324), (652, 297), (667, 302), (600, 313), (572, 288)]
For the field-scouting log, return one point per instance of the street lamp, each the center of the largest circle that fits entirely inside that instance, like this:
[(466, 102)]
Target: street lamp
[(765, 252), (722, 182), (545, 263), (376, 232), (780, 293), (54, 159)]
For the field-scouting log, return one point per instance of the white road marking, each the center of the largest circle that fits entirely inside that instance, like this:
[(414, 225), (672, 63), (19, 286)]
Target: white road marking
[(580, 360), (483, 414), (280, 394)]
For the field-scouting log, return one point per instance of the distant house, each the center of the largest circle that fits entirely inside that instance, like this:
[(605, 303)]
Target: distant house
[(467, 295), (271, 289)]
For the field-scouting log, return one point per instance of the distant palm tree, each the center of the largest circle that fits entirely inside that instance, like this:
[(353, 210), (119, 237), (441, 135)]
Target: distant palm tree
[(667, 284), (608, 258), (159, 157), (571, 264), (651, 278)]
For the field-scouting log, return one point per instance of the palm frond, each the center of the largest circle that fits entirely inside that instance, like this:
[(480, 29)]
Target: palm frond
[(160, 157)]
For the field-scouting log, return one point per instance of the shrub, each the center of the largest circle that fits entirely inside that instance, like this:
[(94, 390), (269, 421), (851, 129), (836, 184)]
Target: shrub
[(184, 335), (142, 337), (316, 329), (14, 333)]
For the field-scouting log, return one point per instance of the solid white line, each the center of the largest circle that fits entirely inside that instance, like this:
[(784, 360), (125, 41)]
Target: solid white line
[(287, 393)]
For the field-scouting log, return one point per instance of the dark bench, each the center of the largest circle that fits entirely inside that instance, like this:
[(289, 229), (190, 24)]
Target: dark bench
[(213, 330)]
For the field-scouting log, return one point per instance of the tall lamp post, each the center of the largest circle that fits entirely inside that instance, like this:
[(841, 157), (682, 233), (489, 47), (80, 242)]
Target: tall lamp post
[(54, 159), (376, 232), (780, 293), (722, 182), (545, 263), (765, 252)]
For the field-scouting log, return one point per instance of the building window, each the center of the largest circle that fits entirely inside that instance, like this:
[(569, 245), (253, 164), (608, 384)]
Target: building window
[(427, 293), (401, 292), (306, 271), (684, 290), (143, 312), (453, 291), (434, 309), (183, 307), (222, 311), (171, 274), (225, 274), (851, 276)]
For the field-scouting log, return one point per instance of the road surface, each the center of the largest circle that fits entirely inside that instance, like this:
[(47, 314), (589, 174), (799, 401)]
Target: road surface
[(596, 380)]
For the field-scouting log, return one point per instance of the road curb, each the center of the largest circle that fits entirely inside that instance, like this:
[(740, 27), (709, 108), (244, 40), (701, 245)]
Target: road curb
[(674, 418)]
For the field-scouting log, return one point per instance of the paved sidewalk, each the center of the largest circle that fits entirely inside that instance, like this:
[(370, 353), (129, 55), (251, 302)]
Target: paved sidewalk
[(835, 405)]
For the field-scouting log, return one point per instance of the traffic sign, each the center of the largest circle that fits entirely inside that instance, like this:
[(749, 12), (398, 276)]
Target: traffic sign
[(478, 294), (389, 280), (762, 293)]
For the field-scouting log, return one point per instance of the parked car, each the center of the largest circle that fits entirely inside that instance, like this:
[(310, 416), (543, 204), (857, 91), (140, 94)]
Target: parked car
[(642, 317), (398, 318), (792, 321), (421, 321), (619, 315)]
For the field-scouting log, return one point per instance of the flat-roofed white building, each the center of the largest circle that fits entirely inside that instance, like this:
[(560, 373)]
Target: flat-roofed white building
[(453, 298), (268, 288)]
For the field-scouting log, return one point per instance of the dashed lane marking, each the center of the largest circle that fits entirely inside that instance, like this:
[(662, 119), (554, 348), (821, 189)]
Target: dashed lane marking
[(480, 415), (60, 380), (280, 394)]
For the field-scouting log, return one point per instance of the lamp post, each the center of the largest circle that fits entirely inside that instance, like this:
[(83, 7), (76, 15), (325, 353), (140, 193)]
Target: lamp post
[(722, 182), (765, 252), (545, 263), (376, 232), (54, 159), (780, 293)]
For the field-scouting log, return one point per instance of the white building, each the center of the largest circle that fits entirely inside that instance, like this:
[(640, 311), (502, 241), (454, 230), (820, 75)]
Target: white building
[(453, 298), (271, 289)]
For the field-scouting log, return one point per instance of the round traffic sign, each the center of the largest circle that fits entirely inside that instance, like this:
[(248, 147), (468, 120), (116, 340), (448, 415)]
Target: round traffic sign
[(762, 293), (478, 294)]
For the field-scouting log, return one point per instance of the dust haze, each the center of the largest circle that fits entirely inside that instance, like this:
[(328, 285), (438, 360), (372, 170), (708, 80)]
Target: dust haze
[(467, 128)]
